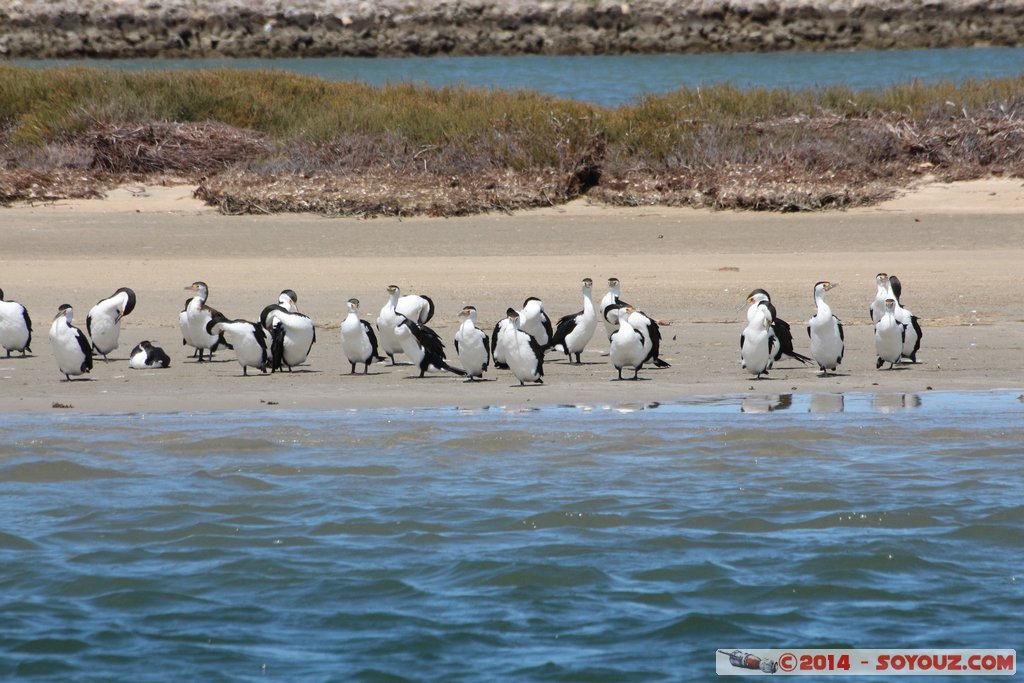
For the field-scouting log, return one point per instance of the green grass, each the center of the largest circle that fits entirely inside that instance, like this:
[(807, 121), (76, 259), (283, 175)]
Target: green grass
[(786, 136)]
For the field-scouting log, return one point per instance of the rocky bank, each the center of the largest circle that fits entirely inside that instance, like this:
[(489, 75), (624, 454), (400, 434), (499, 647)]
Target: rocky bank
[(275, 28)]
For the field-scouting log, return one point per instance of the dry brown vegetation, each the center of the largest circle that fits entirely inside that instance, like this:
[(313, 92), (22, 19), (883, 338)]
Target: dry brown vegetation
[(272, 142)]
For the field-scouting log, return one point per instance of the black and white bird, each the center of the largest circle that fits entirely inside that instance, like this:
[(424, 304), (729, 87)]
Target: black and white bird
[(417, 307), (248, 339), (70, 346), (535, 322), (471, 345), (358, 340), (889, 287), (501, 341), (573, 332), (524, 354), (15, 327), (757, 343), (146, 356), (104, 320), (627, 345), (647, 325), (780, 329), (292, 336), (423, 346), (825, 331), (198, 316), (890, 334)]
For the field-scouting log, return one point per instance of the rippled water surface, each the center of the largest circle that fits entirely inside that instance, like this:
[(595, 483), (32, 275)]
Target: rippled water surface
[(609, 543), (615, 79)]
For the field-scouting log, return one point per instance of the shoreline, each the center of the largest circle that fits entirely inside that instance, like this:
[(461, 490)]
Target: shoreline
[(312, 28), (957, 247)]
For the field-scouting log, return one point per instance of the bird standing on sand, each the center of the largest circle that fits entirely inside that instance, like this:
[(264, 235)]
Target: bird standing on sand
[(292, 336), (826, 332), (248, 339), (757, 344), (889, 336), (574, 331), (416, 307), (423, 346), (780, 329), (627, 345), (358, 340), (145, 355), (642, 322), (15, 327), (104, 320), (198, 316), (471, 345), (523, 353), (70, 347), (889, 287)]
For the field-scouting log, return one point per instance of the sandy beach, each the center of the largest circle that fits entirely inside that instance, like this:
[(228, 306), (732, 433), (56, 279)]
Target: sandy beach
[(957, 248)]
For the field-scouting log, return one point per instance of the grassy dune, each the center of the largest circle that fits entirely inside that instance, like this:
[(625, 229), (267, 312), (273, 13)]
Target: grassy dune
[(274, 141)]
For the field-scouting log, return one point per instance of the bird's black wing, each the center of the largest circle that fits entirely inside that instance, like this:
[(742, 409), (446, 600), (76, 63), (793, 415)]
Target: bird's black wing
[(917, 344), (156, 356), (654, 333), (486, 348), (428, 339), (566, 324), (86, 349), (374, 352), (28, 324), (785, 339), (538, 351), (546, 322)]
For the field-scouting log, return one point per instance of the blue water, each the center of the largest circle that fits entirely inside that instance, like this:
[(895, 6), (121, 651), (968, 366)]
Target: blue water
[(616, 543), (617, 80)]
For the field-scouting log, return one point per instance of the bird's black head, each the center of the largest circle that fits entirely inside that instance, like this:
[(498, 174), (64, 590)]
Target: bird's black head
[(130, 305)]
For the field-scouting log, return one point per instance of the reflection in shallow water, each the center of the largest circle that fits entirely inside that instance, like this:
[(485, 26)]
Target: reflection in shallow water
[(827, 403), (766, 404), (893, 403)]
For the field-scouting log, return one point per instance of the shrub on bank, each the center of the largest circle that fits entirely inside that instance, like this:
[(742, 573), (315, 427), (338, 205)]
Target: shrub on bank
[(718, 146)]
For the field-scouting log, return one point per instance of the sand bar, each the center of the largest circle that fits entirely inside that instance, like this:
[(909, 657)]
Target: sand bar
[(958, 249)]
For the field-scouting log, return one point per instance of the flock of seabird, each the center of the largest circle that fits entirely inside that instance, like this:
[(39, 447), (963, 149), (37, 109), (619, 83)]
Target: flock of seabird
[(282, 338)]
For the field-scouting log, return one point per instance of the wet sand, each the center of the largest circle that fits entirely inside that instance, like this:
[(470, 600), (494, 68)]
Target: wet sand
[(957, 248)]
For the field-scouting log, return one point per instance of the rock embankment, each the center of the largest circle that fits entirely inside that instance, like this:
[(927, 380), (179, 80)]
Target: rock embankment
[(276, 28)]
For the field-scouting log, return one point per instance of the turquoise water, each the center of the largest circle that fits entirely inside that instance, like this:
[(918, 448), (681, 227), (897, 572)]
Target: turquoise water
[(617, 543), (616, 80)]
